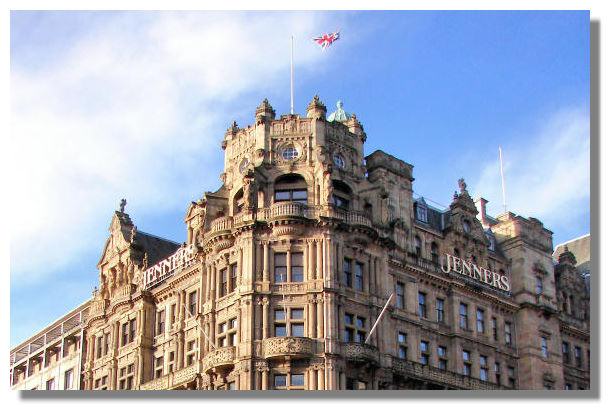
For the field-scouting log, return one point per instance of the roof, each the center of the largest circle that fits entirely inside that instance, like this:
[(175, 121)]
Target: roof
[(580, 248), (157, 248)]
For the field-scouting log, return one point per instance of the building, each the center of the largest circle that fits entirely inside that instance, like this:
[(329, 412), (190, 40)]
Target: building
[(287, 266)]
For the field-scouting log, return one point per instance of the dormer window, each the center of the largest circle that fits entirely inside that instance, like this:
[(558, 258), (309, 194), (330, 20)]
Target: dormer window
[(421, 213), (339, 161), (491, 239), (466, 226)]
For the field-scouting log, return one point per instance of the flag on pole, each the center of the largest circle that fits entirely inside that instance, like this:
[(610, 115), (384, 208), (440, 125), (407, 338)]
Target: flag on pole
[(326, 39)]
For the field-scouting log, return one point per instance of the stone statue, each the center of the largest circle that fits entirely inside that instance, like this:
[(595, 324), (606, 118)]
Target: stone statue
[(462, 185), (122, 205), (328, 186), (249, 192)]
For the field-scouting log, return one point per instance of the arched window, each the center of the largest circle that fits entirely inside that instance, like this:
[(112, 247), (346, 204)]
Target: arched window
[(435, 255), (342, 194), (238, 202), (290, 188), (417, 246)]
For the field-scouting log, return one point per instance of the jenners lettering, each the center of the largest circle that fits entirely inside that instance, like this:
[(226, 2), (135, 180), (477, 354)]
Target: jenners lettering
[(169, 266), (467, 268)]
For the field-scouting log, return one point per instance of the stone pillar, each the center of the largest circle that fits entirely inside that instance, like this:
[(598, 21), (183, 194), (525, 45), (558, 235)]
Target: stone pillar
[(265, 379), (342, 381), (265, 318), (207, 284), (319, 272), (239, 263), (312, 385), (319, 319), (321, 379), (266, 262), (312, 320)]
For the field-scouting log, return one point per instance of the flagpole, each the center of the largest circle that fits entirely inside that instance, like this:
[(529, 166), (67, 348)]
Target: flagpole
[(379, 317), (292, 76), (503, 183)]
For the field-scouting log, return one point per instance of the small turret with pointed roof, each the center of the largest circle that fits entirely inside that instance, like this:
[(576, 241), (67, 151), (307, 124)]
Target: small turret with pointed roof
[(567, 258), (316, 109), (264, 112)]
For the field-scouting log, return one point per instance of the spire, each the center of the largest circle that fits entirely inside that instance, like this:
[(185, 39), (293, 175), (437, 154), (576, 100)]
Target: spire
[(339, 114), (264, 112), (316, 109)]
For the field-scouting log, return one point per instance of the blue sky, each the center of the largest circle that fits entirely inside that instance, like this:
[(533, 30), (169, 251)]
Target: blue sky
[(107, 105)]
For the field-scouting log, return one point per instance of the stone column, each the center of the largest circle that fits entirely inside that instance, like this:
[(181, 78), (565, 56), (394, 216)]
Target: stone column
[(239, 264), (319, 319), (342, 381), (265, 318), (319, 272), (312, 385), (265, 379), (312, 318), (207, 284), (266, 262), (321, 379)]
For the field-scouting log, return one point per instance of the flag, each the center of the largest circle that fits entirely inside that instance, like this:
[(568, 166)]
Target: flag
[(325, 40)]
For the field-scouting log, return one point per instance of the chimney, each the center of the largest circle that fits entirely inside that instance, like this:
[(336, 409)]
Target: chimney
[(481, 205)]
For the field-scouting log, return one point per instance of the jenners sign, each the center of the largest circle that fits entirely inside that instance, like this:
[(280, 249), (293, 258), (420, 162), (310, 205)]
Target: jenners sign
[(471, 270), (169, 266)]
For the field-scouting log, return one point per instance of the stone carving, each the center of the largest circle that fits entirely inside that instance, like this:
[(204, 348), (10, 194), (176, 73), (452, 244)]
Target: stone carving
[(122, 205), (281, 346), (361, 352), (222, 356)]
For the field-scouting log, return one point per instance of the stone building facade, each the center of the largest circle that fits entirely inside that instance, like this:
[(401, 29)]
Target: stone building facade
[(287, 266)]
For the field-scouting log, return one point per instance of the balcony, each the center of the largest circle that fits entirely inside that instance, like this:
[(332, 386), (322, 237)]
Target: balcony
[(287, 346), (361, 353), (220, 358), (221, 225), (173, 380), (286, 210), (441, 377)]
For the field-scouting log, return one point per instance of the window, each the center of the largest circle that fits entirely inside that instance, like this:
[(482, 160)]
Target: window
[(511, 376), (400, 296), (435, 256), (566, 352), (497, 371), (568, 386), (191, 353), (544, 349), (484, 369), (494, 328), (355, 329), (347, 273), (508, 333), (417, 246), (158, 367), (421, 213), (341, 202), (463, 315), (173, 313), (68, 379), (467, 363), (126, 377), (125, 334), (289, 381), (358, 276), (289, 320), (192, 303), (402, 345), (424, 359), (290, 153), (171, 362), (233, 280), (440, 310), (280, 267), (480, 320), (227, 333), (339, 160), (99, 346), (132, 324), (223, 283), (491, 242), (577, 356), (442, 358), (422, 305), (296, 267), (291, 195), (51, 384), (466, 226), (539, 286), (160, 322)]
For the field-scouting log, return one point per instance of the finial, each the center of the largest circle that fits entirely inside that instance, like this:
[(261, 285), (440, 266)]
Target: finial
[(122, 205), (462, 185)]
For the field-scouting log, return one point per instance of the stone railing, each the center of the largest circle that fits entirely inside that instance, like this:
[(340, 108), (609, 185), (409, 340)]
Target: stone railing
[(287, 209), (223, 356), (172, 380), (361, 352), (222, 224), (287, 346), (442, 377)]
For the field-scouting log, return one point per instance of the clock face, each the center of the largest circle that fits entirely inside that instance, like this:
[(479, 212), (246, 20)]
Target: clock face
[(243, 165)]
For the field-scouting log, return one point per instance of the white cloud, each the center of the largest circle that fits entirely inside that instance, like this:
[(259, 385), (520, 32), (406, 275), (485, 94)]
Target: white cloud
[(128, 110), (546, 173)]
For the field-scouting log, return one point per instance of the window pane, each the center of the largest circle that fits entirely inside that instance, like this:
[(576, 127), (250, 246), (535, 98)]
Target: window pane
[(280, 274), (282, 195), (296, 313), (280, 315), (280, 259), (360, 322), (299, 195), (280, 330), (297, 329), (296, 380), (297, 274), (279, 380)]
